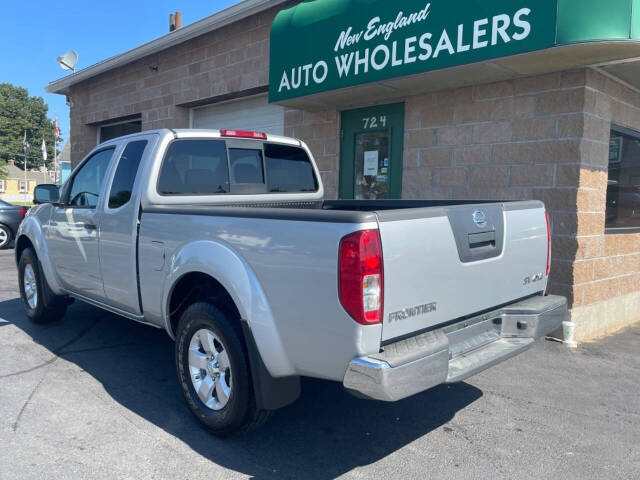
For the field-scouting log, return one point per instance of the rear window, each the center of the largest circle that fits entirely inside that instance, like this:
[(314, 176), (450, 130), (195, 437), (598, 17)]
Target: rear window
[(201, 167), (288, 169), (246, 165), (194, 167)]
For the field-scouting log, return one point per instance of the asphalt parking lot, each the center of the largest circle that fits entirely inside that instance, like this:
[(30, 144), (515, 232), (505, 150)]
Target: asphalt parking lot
[(95, 396)]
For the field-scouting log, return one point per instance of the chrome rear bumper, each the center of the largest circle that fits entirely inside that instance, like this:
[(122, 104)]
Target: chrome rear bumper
[(455, 352)]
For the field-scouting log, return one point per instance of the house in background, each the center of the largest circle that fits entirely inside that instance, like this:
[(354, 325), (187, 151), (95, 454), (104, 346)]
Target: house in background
[(14, 188)]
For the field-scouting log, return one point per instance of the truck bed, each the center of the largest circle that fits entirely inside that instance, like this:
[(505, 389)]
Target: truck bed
[(328, 210), (438, 264)]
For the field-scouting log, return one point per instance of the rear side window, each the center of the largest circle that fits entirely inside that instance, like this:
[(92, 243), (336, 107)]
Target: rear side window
[(288, 169), (125, 175), (194, 167)]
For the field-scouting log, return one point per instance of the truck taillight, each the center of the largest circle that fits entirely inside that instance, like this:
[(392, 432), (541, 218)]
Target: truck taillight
[(243, 134), (360, 276), (546, 214)]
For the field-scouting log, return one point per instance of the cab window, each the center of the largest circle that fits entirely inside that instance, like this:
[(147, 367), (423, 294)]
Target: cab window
[(194, 167), (125, 175), (86, 184), (289, 169)]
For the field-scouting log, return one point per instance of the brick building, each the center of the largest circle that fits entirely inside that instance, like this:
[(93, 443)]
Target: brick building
[(419, 100)]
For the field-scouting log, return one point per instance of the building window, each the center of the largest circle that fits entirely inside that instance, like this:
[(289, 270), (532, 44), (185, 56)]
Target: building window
[(2, 187), (109, 132), (23, 186), (623, 189)]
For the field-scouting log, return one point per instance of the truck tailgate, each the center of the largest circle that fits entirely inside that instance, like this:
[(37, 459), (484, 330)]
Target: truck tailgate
[(444, 263)]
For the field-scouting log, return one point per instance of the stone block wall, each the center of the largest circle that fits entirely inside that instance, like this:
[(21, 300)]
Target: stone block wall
[(319, 130), (158, 89)]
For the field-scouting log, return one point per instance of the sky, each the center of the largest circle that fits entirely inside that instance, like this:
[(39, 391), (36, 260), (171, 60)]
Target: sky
[(35, 32)]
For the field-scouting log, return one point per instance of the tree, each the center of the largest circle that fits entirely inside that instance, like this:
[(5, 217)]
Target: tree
[(20, 112)]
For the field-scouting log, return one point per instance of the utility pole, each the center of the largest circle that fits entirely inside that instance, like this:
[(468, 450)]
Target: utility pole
[(55, 160), (56, 134), (44, 160)]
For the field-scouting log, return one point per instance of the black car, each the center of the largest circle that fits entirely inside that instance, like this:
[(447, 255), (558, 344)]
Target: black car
[(10, 218)]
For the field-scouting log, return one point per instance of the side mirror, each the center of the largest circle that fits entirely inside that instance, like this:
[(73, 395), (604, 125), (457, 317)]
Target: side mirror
[(46, 194)]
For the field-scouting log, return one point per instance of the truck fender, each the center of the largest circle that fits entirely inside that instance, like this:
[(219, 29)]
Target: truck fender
[(31, 227), (228, 268)]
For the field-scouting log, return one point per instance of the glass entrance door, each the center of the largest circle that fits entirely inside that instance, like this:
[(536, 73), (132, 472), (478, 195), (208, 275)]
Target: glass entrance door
[(371, 153)]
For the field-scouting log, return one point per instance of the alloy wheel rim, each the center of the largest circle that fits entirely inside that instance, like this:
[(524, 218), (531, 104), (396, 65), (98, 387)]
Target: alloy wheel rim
[(4, 237), (30, 287), (210, 369)]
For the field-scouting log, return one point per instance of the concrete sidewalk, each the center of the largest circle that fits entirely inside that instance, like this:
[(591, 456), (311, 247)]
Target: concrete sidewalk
[(96, 396)]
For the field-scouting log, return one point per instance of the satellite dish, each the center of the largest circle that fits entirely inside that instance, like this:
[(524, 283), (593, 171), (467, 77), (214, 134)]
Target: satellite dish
[(68, 61)]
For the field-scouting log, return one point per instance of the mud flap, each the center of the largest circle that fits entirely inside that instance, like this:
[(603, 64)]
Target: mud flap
[(271, 393)]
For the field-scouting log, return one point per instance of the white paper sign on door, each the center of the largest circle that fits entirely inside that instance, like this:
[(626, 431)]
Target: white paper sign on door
[(371, 163)]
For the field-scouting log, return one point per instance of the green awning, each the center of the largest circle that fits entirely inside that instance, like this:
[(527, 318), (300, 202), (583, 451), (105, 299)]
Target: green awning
[(327, 45)]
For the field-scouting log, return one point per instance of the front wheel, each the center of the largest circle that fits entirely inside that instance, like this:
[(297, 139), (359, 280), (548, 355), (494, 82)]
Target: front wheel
[(39, 303), (213, 370)]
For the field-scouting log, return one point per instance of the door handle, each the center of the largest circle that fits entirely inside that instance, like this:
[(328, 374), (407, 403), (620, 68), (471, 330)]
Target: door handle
[(90, 226), (487, 239)]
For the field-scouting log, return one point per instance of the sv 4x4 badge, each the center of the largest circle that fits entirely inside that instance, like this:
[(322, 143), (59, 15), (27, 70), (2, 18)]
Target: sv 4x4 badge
[(532, 279)]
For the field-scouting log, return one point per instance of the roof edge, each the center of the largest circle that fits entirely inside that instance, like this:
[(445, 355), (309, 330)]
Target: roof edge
[(229, 15)]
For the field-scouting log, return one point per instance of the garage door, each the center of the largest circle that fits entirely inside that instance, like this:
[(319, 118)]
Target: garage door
[(248, 114)]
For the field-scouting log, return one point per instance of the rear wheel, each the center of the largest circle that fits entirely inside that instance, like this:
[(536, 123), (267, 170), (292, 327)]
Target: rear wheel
[(38, 301), (5, 236), (213, 369)]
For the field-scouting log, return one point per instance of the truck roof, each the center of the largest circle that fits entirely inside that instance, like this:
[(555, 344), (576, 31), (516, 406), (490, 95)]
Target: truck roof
[(210, 133)]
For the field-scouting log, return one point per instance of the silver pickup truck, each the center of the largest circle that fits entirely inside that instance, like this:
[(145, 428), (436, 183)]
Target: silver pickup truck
[(223, 239)]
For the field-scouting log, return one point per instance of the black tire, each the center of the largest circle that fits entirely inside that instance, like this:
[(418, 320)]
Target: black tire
[(48, 306), (8, 235), (240, 412)]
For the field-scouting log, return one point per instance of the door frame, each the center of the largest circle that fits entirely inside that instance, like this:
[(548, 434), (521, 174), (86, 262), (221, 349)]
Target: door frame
[(346, 169), (92, 214)]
